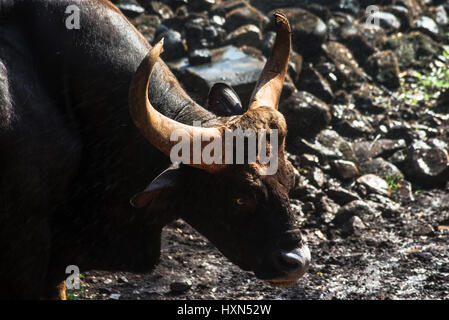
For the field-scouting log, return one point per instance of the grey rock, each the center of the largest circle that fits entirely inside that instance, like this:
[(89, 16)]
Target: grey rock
[(384, 68), (347, 67), (245, 15), (328, 145), (180, 286), (312, 81), (130, 10), (248, 34), (308, 31), (349, 122), (229, 65), (341, 195), (305, 114), (360, 208), (426, 164), (199, 56), (427, 26), (366, 150), (173, 44), (374, 184), (370, 99), (345, 169), (387, 21), (381, 168), (413, 49), (354, 226)]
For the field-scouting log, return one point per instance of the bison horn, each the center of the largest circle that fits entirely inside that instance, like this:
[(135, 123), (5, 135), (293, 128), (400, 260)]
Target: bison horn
[(156, 127), (269, 87)]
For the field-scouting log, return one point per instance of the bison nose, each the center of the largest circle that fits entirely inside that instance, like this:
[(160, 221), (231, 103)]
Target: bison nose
[(296, 259), (292, 264)]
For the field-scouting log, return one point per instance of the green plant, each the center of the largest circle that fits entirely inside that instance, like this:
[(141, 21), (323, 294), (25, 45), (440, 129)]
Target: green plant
[(427, 87), (393, 182)]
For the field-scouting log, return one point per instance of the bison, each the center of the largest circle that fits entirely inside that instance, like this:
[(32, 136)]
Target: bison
[(85, 120)]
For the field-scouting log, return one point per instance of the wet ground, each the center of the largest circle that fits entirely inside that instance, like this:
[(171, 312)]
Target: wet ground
[(404, 257)]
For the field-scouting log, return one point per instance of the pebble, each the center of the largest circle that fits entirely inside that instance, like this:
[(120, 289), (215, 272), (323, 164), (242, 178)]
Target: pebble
[(180, 286)]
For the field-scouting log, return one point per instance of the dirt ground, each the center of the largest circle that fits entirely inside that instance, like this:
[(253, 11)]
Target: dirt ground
[(404, 257)]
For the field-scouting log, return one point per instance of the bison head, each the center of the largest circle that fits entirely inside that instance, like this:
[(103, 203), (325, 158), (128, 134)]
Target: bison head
[(242, 208)]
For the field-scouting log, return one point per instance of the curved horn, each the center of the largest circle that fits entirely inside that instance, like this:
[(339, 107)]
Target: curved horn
[(156, 127), (269, 87)]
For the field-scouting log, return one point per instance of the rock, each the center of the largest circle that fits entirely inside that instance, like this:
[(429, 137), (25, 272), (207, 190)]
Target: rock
[(200, 33), (426, 165), (413, 48), (249, 35), (130, 10), (427, 26), (384, 68), (221, 8), (403, 14), (115, 296), (354, 226), (305, 114), (201, 5), (180, 286), (349, 122), (308, 31), (312, 81), (243, 16), (348, 69), (439, 15), (199, 56), (364, 39), (405, 192), (316, 176), (425, 230), (104, 290), (268, 5), (344, 169), (387, 21), (362, 209), (229, 65), (374, 184), (268, 42), (366, 150), (415, 7), (173, 45), (386, 206), (341, 196), (305, 191), (381, 168), (309, 160), (349, 6), (294, 66), (370, 99), (160, 9), (144, 21), (325, 210), (328, 145)]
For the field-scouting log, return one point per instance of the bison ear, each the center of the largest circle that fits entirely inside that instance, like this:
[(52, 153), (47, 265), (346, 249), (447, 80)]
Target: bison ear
[(169, 178), (224, 101)]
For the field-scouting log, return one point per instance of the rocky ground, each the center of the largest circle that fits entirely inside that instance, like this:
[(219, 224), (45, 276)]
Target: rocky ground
[(367, 107)]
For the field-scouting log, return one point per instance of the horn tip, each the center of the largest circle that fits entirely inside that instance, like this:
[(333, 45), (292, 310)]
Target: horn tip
[(281, 21)]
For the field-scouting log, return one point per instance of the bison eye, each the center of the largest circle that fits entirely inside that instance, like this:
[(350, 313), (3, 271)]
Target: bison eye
[(240, 201)]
